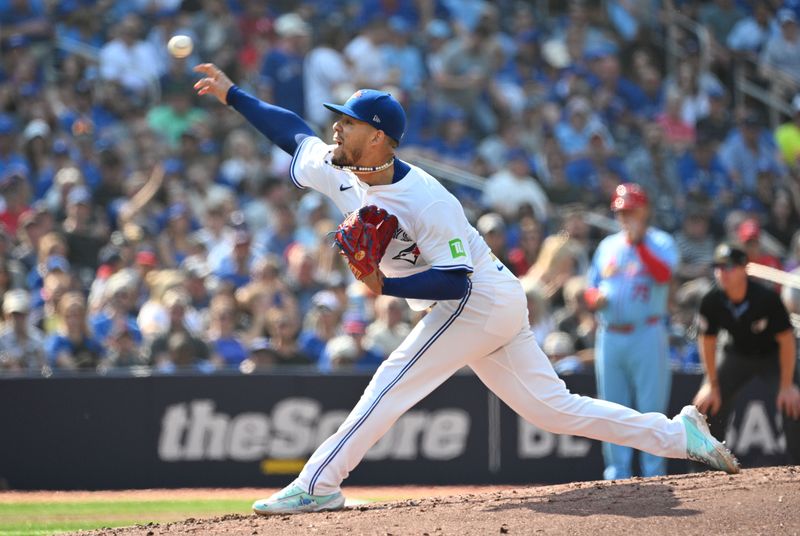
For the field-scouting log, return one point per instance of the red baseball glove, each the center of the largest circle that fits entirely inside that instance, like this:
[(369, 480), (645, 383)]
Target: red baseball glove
[(363, 238)]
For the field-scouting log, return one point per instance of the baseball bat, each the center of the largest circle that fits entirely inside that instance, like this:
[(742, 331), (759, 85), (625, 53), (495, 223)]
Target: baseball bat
[(773, 275)]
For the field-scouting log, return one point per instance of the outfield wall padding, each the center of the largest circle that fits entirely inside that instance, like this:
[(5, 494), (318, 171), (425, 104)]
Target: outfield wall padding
[(256, 430)]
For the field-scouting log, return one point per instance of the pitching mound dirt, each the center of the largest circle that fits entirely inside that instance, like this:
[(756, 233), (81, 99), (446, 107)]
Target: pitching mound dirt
[(758, 501)]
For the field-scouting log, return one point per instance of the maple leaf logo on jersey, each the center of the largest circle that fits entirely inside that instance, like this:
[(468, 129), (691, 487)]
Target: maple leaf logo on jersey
[(410, 254)]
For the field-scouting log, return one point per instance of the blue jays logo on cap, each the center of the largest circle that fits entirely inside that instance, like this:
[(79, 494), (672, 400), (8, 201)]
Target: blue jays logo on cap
[(378, 108)]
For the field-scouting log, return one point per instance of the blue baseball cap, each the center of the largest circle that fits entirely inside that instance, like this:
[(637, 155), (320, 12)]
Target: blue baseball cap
[(377, 108), (400, 25), (438, 29), (7, 124), (786, 15), (716, 92), (600, 51), (57, 262), (173, 166), (749, 203), (17, 41), (60, 147), (79, 195), (176, 210), (453, 113), (516, 153), (529, 36)]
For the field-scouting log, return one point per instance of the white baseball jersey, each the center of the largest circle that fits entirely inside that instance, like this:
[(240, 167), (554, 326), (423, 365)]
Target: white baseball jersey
[(428, 235), (486, 330)]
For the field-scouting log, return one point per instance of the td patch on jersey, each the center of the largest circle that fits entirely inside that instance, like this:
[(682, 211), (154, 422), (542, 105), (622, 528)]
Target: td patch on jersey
[(457, 248)]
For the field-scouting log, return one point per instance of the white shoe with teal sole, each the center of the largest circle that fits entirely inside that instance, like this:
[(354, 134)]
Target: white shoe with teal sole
[(293, 500), (702, 447)]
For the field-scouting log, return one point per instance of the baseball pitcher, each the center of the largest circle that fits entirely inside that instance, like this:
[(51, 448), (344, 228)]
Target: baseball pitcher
[(434, 256)]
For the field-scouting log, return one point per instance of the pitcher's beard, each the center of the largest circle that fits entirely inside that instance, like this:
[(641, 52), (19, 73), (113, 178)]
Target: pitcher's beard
[(342, 160)]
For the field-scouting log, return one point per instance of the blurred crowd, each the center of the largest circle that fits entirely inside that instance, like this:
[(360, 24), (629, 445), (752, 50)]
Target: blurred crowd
[(143, 226)]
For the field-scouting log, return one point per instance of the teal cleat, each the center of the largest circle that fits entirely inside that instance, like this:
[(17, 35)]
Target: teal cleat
[(293, 500), (702, 447)]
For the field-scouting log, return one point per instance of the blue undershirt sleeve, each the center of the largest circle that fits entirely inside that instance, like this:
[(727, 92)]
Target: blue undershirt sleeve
[(428, 285), (283, 127)]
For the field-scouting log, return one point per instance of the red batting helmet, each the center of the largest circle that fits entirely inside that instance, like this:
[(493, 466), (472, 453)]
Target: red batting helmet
[(627, 196)]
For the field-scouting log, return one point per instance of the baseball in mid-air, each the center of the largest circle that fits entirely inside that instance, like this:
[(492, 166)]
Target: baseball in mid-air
[(180, 46)]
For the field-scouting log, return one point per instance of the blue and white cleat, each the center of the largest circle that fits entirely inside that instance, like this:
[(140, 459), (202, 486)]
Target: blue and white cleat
[(293, 500), (702, 447)]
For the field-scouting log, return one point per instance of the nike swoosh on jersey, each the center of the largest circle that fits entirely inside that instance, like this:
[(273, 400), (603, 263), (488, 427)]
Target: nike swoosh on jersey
[(342, 187)]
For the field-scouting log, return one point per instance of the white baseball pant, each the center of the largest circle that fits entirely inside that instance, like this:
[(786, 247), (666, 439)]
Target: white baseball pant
[(487, 331)]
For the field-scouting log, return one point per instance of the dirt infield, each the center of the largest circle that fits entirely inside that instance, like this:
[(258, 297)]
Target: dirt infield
[(758, 501)]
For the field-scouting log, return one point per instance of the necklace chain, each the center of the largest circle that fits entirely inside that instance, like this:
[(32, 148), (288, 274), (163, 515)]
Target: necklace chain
[(365, 169)]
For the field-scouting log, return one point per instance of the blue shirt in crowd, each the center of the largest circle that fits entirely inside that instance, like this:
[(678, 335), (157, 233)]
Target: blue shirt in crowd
[(283, 73), (230, 349), (102, 325), (86, 353)]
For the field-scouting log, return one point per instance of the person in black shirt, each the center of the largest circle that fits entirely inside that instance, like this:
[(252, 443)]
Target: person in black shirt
[(761, 343), (718, 123)]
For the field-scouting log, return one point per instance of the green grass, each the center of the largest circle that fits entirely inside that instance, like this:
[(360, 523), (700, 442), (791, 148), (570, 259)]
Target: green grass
[(41, 518)]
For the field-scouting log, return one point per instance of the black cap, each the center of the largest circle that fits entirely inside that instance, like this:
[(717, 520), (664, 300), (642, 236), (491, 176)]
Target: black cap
[(728, 255)]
